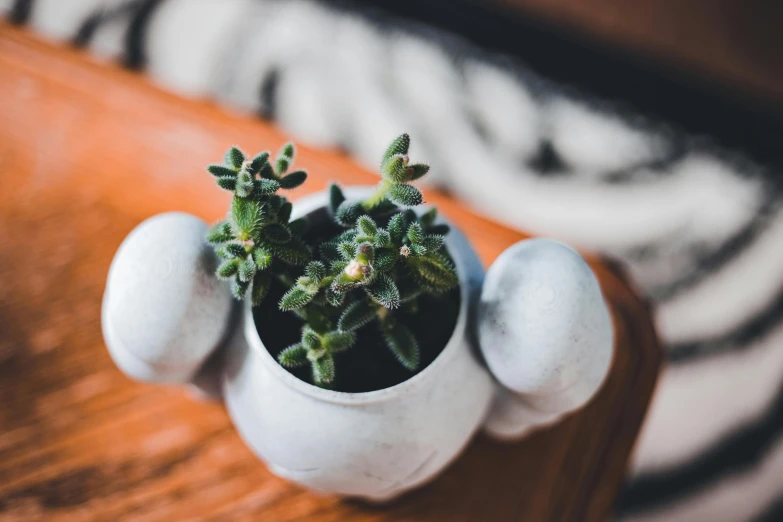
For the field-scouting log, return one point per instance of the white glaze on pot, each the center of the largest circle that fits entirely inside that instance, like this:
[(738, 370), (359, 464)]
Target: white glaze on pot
[(164, 311), (545, 333), (375, 444)]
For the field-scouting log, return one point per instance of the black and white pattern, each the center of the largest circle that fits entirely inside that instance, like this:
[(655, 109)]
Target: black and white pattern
[(700, 228)]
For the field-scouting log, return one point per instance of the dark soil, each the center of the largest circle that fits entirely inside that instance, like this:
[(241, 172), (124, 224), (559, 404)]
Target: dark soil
[(369, 365)]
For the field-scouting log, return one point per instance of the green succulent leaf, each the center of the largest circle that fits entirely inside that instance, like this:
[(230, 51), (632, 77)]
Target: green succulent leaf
[(400, 145), (235, 158), (435, 270), (295, 252), (262, 258), (367, 226), (220, 171), (315, 270), (261, 283), (260, 159), (293, 357), (239, 289), (356, 315), (395, 169), (228, 269), (402, 343), (298, 226), (385, 292), (276, 233), (336, 342), (310, 339), (336, 198), (247, 269), (405, 195), (415, 234), (323, 370), (417, 171), (295, 299), (382, 238), (245, 184), (245, 218), (428, 218), (433, 242), (219, 233), (385, 260), (396, 228), (347, 213), (265, 187), (227, 183), (293, 180)]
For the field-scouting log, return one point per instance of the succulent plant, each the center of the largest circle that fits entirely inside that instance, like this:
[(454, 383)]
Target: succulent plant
[(384, 258)]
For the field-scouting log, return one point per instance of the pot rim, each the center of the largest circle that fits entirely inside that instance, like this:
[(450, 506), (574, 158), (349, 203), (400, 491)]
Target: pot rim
[(304, 206)]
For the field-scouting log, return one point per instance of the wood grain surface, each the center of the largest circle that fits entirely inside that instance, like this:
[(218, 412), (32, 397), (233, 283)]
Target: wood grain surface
[(87, 152)]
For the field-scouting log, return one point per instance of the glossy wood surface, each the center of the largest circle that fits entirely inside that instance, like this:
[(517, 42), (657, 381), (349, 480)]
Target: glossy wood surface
[(87, 152)]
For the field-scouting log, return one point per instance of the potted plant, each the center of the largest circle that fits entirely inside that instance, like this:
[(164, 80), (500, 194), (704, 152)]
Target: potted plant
[(350, 367)]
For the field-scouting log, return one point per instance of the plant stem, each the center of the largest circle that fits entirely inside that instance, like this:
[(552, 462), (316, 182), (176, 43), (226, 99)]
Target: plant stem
[(375, 199)]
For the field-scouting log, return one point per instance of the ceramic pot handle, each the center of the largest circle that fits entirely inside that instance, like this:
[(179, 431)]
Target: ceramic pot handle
[(546, 335)]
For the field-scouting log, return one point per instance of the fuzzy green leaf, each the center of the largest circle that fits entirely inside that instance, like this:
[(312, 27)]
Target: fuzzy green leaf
[(281, 165), (347, 213), (418, 250), (346, 250), (293, 357), (396, 228), (227, 182), (400, 145), (220, 171), (239, 289), (385, 260), (428, 218), (294, 299), (276, 233), (367, 226), (261, 284), (234, 250), (403, 344), (405, 195), (323, 370), (435, 270), (294, 252), (235, 158), (415, 234), (298, 226), (315, 270), (219, 233), (245, 185), (293, 180), (433, 242), (247, 269), (262, 258), (440, 229), (284, 214), (336, 342), (336, 198), (265, 187), (245, 218), (385, 292), (395, 169), (334, 298), (382, 238), (310, 339), (356, 315), (228, 269), (417, 171), (261, 159)]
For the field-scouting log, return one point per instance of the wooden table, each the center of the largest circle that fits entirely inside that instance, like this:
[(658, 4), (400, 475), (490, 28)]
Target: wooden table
[(88, 151)]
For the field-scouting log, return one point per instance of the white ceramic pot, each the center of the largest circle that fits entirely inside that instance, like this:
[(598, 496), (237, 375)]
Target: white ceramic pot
[(375, 444)]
